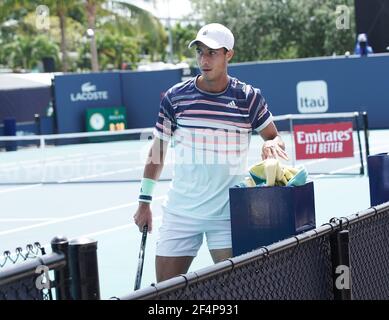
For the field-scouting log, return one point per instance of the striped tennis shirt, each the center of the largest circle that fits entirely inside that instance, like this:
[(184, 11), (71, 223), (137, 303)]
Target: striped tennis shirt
[(210, 133)]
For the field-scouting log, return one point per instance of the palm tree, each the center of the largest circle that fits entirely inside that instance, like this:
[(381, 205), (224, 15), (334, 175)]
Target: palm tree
[(19, 52), (91, 7), (148, 25), (58, 7), (145, 20), (61, 7), (144, 25)]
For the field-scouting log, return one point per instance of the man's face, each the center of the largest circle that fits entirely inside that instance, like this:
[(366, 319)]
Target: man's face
[(212, 62)]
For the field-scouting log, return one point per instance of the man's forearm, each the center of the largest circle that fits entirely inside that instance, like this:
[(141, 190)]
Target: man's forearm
[(153, 171), (155, 160)]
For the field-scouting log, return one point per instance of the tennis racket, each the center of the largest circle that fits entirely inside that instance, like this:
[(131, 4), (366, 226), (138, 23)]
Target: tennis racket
[(141, 258)]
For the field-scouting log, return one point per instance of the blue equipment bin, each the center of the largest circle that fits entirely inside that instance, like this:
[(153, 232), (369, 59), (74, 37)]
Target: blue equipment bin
[(263, 215), (378, 168)]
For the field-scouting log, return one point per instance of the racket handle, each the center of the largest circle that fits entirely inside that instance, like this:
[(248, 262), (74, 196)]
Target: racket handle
[(141, 258)]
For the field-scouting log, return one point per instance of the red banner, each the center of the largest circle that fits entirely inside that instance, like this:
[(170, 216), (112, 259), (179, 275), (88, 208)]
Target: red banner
[(315, 141)]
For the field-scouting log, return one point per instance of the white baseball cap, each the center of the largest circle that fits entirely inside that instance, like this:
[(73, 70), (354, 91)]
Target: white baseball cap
[(215, 36)]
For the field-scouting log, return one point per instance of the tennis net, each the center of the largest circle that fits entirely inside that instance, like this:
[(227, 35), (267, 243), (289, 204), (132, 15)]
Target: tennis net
[(120, 156), (75, 157)]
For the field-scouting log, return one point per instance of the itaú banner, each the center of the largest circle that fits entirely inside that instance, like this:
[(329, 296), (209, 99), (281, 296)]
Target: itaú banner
[(333, 140)]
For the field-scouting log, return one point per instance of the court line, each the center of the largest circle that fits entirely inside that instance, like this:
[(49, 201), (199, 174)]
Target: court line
[(107, 173), (84, 156), (68, 157), (351, 166), (21, 188), (140, 167), (74, 217), (99, 233), (339, 170), (25, 219), (104, 231)]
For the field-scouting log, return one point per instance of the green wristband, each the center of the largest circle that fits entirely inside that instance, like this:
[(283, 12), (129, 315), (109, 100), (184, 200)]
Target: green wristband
[(146, 190)]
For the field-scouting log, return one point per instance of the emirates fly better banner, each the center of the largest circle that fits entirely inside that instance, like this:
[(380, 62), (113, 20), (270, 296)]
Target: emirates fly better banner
[(314, 141)]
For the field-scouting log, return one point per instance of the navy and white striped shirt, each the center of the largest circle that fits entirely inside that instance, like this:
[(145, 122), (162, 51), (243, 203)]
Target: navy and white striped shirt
[(211, 134)]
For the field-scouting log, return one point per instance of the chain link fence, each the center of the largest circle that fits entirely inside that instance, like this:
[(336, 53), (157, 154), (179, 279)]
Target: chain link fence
[(25, 275), (25, 288), (301, 267), (302, 272), (369, 255), (31, 252)]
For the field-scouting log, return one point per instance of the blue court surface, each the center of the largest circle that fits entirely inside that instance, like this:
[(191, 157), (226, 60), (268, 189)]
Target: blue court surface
[(35, 211)]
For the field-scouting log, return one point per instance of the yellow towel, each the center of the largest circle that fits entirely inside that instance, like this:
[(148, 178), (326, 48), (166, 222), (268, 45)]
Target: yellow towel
[(272, 173)]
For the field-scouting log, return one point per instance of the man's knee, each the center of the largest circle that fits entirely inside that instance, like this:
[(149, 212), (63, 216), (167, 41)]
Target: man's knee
[(219, 255), (169, 267)]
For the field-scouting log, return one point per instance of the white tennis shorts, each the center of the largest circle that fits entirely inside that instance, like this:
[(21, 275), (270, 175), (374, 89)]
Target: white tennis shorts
[(183, 236)]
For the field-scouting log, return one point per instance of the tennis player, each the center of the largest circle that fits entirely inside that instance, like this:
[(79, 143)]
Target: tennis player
[(209, 120)]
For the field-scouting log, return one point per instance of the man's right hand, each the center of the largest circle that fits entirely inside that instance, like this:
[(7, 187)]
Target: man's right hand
[(143, 216)]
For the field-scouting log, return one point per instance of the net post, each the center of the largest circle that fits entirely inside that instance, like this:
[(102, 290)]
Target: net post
[(292, 137), (42, 143), (53, 100), (84, 269), (356, 119), (340, 259), (62, 276), (366, 132)]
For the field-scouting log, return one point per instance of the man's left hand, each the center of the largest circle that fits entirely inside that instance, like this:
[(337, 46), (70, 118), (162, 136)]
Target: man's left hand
[(271, 149)]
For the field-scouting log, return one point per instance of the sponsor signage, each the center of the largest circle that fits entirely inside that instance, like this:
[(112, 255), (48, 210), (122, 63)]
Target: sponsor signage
[(88, 92), (312, 96), (104, 119), (333, 140), (75, 93)]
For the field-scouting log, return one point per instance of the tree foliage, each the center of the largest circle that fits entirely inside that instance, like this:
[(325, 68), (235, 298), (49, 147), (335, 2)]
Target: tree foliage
[(26, 51), (278, 29), (182, 35), (264, 29), (124, 33)]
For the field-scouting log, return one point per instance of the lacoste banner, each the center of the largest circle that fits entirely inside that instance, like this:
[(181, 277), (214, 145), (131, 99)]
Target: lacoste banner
[(314, 141), (75, 93)]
